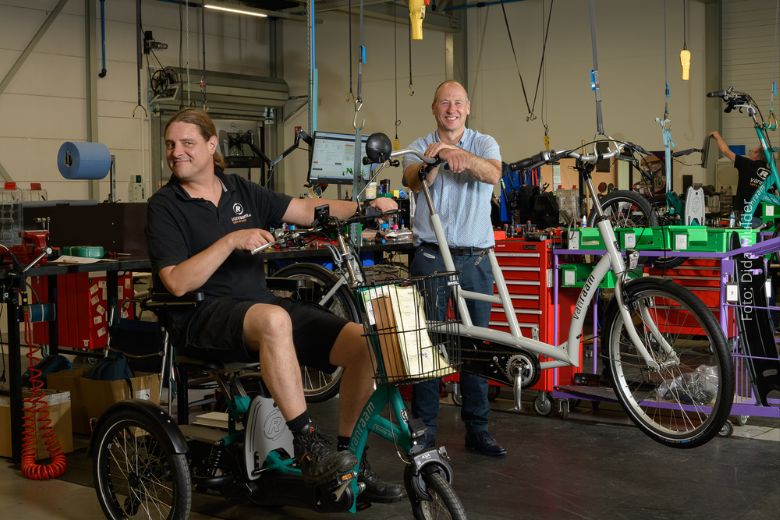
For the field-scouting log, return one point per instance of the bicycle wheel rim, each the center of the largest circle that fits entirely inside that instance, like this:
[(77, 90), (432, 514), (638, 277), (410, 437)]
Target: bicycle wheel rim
[(685, 401), (136, 476)]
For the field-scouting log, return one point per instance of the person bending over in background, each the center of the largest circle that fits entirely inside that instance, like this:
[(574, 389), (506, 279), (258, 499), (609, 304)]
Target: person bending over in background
[(202, 226), (462, 194)]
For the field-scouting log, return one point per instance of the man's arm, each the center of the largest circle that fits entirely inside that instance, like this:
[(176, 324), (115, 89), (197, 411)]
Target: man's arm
[(458, 161), (301, 211), (191, 274), (723, 146)]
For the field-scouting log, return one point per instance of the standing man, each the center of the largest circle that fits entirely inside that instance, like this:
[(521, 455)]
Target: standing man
[(461, 194), (202, 228)]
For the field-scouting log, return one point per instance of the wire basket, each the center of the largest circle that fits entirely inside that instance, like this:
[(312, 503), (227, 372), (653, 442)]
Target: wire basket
[(410, 328)]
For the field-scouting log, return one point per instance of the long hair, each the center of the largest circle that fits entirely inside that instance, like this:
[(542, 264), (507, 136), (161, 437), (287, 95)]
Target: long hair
[(201, 119)]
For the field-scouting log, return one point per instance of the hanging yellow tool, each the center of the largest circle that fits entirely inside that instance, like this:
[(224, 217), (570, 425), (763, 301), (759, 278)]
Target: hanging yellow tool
[(416, 16)]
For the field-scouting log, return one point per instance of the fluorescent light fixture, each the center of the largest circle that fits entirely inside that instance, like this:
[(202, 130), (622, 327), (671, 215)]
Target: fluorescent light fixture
[(235, 9)]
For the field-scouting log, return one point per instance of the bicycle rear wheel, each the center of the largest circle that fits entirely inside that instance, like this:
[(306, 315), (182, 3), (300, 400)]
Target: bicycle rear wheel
[(136, 472), (685, 402), (626, 209)]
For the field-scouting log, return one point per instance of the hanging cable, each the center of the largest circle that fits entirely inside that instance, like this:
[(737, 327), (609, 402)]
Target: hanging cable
[(103, 70), (594, 73), (202, 83), (351, 96), (357, 179), (544, 53), (771, 117), (396, 141), (475, 84), (138, 56), (543, 75), (411, 81), (517, 65), (666, 123), (187, 48)]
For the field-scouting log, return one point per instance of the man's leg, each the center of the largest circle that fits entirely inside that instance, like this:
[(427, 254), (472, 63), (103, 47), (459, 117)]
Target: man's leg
[(476, 275), (351, 351), (425, 395), (268, 329)]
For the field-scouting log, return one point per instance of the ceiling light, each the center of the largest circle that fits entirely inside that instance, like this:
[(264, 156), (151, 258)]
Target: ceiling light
[(235, 9)]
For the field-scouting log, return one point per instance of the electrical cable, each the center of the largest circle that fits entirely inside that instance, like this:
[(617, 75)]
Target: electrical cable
[(411, 80), (187, 43)]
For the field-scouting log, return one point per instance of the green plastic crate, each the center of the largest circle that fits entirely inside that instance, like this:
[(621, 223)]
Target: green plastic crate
[(769, 212), (641, 239), (720, 238), (585, 238), (575, 275), (703, 239), (686, 238)]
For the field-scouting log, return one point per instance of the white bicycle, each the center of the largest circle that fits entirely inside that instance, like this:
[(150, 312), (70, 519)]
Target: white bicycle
[(667, 356)]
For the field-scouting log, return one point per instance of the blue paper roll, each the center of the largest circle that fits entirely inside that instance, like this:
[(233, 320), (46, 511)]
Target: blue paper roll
[(83, 160)]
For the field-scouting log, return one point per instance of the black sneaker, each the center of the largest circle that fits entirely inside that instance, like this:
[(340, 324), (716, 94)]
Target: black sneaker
[(376, 489), (319, 462)]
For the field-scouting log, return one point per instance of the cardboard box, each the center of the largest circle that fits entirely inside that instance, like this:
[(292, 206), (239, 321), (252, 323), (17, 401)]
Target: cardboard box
[(98, 395), (59, 414), (69, 381)]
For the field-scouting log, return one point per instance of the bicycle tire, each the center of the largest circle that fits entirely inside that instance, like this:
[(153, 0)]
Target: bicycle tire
[(318, 385), (643, 214), (441, 497), (682, 405), (127, 443), (638, 213)]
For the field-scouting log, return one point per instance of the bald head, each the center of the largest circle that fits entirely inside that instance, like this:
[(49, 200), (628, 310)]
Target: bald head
[(446, 84)]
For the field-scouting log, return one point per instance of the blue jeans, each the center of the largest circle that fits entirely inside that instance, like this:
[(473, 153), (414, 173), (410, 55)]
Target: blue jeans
[(475, 275)]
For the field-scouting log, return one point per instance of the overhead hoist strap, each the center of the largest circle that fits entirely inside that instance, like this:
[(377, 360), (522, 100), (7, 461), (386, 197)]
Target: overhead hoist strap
[(357, 179), (666, 123), (594, 73)]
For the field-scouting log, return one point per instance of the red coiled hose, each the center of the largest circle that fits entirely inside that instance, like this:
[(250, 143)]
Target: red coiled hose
[(36, 409)]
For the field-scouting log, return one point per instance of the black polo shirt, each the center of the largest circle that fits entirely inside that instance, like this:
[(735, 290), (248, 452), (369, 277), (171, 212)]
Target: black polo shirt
[(179, 227), (750, 176)]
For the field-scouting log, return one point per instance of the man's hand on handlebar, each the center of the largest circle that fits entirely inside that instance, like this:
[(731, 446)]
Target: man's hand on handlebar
[(384, 204), (458, 159)]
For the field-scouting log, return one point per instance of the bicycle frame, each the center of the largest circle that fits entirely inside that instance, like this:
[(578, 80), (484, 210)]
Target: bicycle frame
[(567, 353)]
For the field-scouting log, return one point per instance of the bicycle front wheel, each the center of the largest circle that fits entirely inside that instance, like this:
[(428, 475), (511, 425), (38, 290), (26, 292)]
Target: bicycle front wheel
[(441, 501), (685, 397), (136, 472), (318, 385)]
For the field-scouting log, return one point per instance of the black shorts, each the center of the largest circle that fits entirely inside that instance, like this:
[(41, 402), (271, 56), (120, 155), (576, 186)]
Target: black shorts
[(216, 331)]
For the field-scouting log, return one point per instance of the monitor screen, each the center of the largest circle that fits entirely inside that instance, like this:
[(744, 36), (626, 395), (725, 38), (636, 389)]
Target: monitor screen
[(333, 158)]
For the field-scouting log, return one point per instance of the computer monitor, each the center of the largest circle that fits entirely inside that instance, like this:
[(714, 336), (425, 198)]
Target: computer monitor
[(333, 158)]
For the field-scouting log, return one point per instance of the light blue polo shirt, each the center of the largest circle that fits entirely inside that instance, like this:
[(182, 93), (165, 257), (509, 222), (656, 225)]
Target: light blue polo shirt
[(462, 202)]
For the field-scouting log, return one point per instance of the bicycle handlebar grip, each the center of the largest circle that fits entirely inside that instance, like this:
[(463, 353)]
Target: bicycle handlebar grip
[(526, 163), (717, 93)]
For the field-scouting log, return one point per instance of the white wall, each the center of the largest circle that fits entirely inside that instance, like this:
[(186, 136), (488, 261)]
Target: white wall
[(46, 102)]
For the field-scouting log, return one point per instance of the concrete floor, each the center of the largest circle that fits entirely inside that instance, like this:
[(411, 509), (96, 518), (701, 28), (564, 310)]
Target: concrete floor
[(589, 466)]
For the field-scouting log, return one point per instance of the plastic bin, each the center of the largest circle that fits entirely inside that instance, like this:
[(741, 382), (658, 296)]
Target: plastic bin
[(686, 238), (769, 212), (641, 239), (585, 238), (575, 275)]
